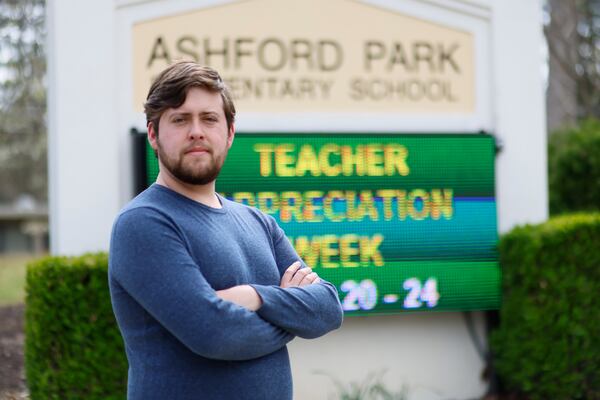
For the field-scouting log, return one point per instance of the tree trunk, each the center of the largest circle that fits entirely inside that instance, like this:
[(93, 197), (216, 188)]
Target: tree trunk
[(563, 41)]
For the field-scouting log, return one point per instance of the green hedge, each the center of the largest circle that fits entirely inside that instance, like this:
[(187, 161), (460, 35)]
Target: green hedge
[(574, 168), (548, 343), (73, 349)]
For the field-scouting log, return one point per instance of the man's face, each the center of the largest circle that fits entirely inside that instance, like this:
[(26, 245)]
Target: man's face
[(193, 139)]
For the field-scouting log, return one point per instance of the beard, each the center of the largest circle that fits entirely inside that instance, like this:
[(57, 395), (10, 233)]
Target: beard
[(190, 172)]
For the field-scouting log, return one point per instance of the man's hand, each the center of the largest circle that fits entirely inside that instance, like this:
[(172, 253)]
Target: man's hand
[(242, 295), (296, 276), (246, 296)]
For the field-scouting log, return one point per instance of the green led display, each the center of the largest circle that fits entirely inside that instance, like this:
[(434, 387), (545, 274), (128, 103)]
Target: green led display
[(397, 222)]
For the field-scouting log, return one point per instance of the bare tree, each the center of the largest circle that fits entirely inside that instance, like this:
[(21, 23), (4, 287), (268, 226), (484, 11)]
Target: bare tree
[(561, 35), (23, 144), (588, 67), (573, 36)]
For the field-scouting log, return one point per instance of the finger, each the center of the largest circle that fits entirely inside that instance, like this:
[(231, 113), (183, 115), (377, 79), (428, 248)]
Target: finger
[(299, 275), (289, 273), (309, 279), (291, 270)]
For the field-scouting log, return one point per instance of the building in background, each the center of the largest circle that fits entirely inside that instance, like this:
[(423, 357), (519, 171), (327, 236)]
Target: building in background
[(24, 227)]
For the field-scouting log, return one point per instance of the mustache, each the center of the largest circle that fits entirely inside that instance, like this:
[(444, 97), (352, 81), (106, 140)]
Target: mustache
[(197, 146)]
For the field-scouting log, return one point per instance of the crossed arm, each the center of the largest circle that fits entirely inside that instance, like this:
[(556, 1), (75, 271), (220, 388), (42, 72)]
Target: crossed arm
[(303, 304), (246, 296)]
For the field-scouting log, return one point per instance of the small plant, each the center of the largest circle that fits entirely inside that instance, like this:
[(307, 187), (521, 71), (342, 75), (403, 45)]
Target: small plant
[(370, 388)]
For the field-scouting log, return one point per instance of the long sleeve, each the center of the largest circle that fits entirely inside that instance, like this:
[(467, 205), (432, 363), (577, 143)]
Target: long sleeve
[(150, 261), (309, 311)]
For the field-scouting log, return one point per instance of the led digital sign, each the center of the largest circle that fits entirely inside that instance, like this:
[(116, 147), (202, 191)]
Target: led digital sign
[(397, 222)]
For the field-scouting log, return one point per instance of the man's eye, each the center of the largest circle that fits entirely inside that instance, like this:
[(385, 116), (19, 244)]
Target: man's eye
[(178, 120), (211, 120)]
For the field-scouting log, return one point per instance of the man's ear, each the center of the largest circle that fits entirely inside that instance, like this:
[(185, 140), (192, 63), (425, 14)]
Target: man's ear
[(152, 136), (230, 135)]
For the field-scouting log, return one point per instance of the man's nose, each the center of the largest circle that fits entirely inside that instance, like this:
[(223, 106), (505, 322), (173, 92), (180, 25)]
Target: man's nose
[(196, 130)]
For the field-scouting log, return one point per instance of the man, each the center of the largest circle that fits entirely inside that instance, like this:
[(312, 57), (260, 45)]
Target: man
[(206, 292)]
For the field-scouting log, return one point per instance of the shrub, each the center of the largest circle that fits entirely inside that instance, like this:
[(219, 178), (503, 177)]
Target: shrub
[(574, 168), (548, 344), (73, 348)]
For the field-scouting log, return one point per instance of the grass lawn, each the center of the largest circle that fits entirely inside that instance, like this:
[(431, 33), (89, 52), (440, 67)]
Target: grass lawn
[(12, 277)]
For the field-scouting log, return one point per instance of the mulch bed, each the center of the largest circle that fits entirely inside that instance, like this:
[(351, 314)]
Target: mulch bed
[(12, 336)]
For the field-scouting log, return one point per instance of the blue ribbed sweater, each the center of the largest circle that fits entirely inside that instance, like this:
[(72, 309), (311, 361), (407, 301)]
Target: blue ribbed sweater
[(168, 256)]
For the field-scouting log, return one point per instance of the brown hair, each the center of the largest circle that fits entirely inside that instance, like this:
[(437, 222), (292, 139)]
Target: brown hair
[(170, 88)]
